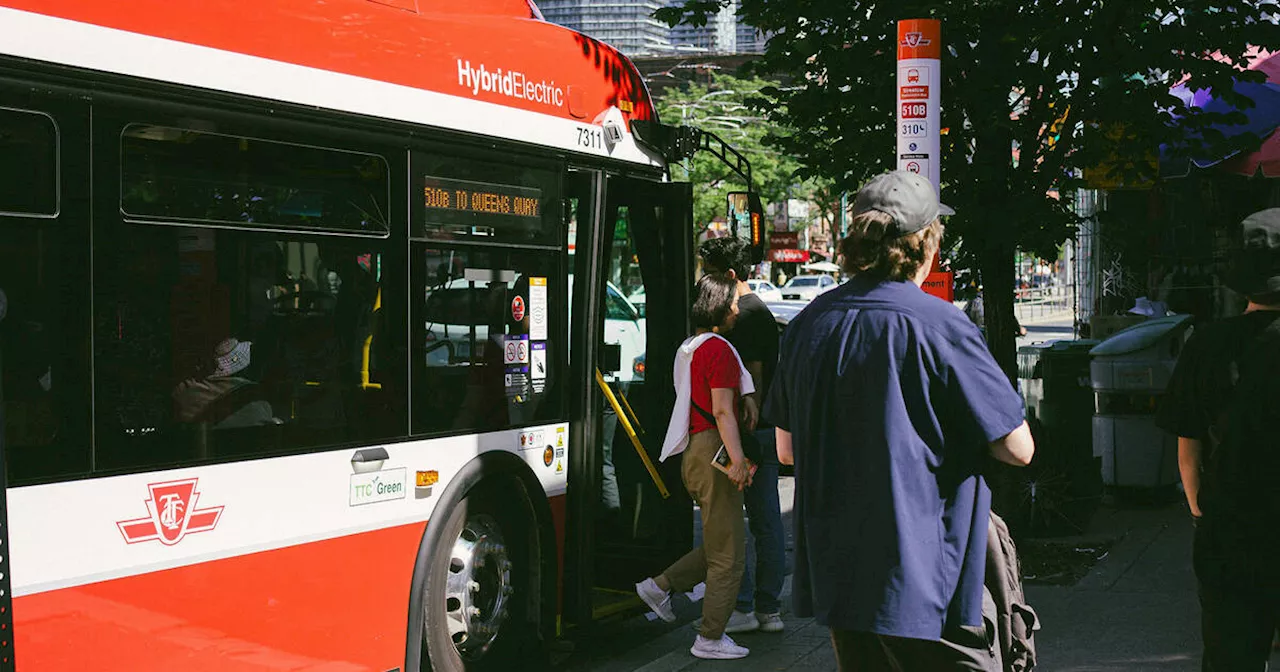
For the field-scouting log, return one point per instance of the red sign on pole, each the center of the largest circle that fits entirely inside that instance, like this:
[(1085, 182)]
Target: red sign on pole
[(941, 284), (919, 84), (789, 256)]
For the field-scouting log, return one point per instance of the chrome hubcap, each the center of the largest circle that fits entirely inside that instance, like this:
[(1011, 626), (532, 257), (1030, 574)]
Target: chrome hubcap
[(477, 586)]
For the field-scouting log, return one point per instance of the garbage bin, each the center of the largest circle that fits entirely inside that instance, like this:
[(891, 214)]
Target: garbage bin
[(1061, 488), (1130, 372)]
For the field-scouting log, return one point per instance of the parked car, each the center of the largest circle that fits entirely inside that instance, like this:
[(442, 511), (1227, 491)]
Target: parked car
[(637, 299), (765, 290), (625, 325), (785, 311), (461, 311), (807, 287)]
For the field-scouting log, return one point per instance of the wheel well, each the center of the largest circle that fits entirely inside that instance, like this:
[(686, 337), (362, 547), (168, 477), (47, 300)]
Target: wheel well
[(505, 476)]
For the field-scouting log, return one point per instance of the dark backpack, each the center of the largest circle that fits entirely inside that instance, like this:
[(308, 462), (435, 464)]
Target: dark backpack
[(1016, 621), (1243, 454)]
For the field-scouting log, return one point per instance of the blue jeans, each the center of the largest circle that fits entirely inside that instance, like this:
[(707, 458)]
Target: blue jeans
[(762, 580)]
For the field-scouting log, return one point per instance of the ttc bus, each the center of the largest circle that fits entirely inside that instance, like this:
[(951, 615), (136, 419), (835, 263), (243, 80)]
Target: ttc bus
[(306, 314)]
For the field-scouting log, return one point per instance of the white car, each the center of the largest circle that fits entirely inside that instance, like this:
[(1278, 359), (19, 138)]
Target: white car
[(458, 310), (765, 290), (807, 287), (785, 311), (638, 299), (624, 325)]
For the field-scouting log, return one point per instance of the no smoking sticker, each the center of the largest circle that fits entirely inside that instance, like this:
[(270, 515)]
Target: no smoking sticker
[(515, 351)]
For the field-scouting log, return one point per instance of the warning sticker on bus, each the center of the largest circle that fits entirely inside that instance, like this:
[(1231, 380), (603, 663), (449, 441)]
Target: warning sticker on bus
[(538, 309)]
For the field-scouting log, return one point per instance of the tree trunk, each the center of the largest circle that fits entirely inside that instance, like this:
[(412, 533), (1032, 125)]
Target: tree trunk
[(998, 276)]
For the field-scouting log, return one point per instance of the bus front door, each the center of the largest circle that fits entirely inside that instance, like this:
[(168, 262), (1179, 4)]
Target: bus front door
[(643, 514)]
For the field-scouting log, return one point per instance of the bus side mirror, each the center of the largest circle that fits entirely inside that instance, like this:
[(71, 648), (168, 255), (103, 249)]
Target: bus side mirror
[(745, 213)]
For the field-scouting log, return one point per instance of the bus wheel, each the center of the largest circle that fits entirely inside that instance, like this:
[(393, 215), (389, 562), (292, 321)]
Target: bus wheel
[(474, 614)]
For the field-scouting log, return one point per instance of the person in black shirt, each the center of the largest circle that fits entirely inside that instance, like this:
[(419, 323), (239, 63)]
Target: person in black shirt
[(755, 337), (1223, 405)]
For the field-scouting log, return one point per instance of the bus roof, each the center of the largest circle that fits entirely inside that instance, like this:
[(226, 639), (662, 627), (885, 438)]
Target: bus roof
[(491, 67)]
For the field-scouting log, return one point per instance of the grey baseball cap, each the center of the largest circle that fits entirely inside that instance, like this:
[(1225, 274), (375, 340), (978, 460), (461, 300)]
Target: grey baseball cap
[(1255, 266), (905, 196)]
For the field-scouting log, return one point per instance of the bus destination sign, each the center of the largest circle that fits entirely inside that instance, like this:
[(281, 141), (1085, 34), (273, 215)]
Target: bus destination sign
[(464, 202)]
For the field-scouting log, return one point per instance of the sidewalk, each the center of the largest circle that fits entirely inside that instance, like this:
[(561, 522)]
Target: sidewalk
[(1135, 610)]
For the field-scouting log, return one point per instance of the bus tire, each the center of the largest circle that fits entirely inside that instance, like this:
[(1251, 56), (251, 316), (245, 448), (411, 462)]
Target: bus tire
[(476, 617)]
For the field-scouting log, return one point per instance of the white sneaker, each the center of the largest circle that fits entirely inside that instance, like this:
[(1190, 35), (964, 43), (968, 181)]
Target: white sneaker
[(657, 599), (717, 649), (738, 622), (770, 622)]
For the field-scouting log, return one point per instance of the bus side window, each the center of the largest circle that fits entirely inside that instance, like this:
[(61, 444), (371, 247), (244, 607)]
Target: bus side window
[(43, 296), (223, 344), (486, 354)]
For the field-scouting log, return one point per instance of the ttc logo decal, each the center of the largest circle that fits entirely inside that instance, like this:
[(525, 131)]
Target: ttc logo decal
[(915, 39), (173, 514)]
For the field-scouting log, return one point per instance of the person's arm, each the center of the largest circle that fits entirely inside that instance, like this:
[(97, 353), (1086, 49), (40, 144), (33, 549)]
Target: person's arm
[(1189, 456), (1016, 447), (722, 408), (785, 454), (750, 402), (986, 403)]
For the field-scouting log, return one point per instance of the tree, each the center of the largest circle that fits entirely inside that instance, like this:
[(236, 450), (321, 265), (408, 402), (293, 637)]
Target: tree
[(1034, 93), (728, 107)]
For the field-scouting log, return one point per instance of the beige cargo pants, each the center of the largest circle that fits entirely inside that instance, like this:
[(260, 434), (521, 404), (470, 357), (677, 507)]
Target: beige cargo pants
[(720, 559)]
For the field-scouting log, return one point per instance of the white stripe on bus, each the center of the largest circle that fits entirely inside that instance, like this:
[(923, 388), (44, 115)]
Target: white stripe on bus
[(65, 534)]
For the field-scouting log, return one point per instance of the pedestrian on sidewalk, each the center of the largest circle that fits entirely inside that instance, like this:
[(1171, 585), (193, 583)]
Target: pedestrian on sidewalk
[(709, 377), (755, 337), (976, 311), (890, 404), (1224, 405)]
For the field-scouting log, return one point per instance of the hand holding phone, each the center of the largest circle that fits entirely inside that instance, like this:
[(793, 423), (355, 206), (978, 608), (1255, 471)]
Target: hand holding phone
[(741, 475)]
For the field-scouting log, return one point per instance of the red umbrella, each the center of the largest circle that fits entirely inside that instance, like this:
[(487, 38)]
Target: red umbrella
[(1267, 158), (1262, 120)]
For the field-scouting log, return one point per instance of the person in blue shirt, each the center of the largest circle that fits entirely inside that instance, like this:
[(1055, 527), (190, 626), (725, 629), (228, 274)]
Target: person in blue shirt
[(889, 405)]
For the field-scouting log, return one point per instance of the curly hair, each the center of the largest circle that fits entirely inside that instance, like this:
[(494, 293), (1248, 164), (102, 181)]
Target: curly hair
[(727, 254), (872, 249)]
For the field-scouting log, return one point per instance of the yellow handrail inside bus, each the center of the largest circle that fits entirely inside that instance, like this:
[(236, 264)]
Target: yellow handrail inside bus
[(364, 354), (631, 434), (635, 419)]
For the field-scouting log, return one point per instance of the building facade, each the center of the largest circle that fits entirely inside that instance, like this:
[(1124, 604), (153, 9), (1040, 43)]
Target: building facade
[(718, 36), (629, 26), (626, 25)]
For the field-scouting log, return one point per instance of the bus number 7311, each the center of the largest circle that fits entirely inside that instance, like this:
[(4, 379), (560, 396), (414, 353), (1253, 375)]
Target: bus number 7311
[(591, 138)]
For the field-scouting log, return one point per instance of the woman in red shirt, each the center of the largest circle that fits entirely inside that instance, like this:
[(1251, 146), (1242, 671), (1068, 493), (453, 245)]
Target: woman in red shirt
[(713, 374)]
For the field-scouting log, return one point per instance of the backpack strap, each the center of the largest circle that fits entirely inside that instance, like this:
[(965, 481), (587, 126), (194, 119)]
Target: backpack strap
[(703, 412)]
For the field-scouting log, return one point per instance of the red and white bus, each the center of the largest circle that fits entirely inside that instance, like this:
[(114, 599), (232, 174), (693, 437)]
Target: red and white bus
[(303, 304)]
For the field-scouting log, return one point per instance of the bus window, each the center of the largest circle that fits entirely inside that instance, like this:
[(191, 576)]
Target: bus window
[(488, 323), (28, 164), (184, 175), (44, 297), (214, 344)]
